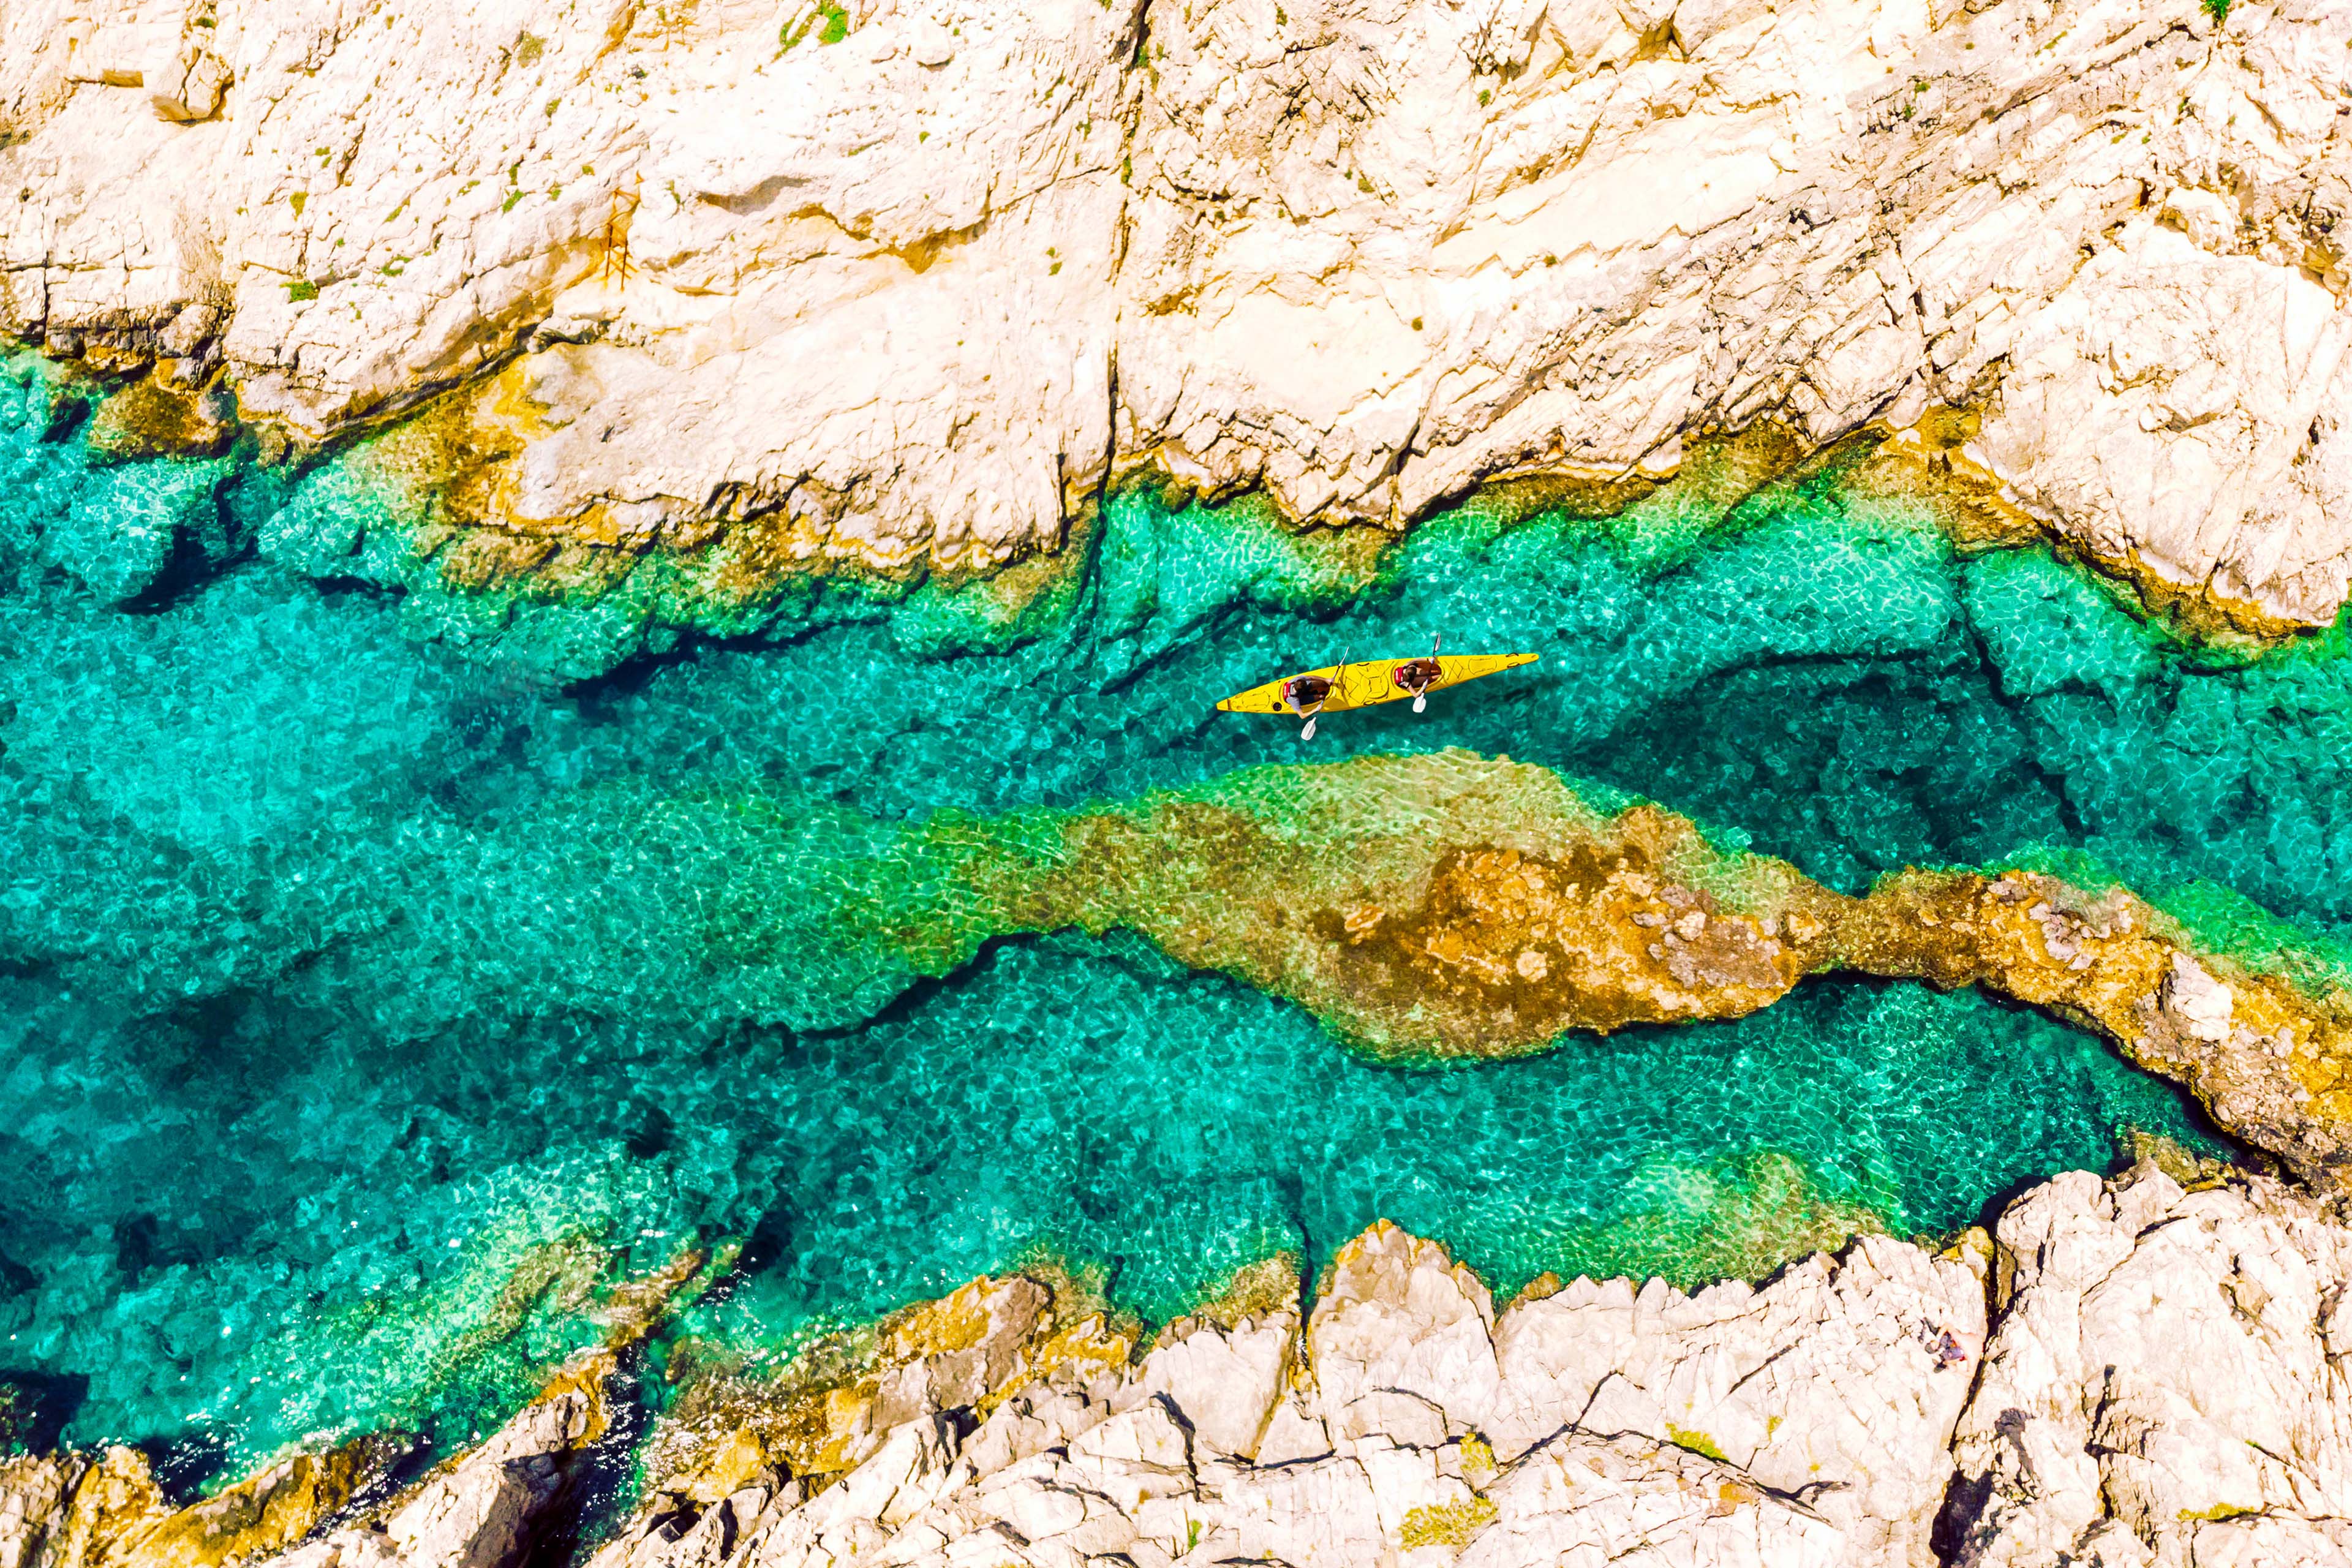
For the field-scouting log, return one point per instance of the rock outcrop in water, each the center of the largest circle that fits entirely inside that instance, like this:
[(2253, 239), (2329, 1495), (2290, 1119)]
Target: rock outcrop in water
[(2157, 1380), (1452, 905), (492, 1504), (2268, 1056), (900, 282), (79, 1510)]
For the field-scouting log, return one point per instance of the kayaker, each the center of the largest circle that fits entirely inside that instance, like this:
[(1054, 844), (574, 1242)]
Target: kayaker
[(1415, 677), (1304, 696)]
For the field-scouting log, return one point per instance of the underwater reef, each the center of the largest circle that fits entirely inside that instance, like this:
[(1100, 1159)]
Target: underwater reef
[(1447, 905)]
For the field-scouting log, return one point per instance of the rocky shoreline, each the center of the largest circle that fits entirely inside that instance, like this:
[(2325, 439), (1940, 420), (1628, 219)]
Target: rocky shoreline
[(903, 287), (911, 283), (2135, 1371)]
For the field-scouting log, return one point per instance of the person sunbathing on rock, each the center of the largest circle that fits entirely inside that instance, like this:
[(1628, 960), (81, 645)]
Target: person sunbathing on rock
[(1942, 1343), (1415, 677)]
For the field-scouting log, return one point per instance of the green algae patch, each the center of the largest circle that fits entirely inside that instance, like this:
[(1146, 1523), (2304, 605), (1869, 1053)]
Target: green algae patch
[(1739, 1217), (1648, 524), (155, 418), (124, 523), (1163, 570), (1697, 1443), (1436, 905), (995, 611), (1345, 887), (827, 19), (2221, 920)]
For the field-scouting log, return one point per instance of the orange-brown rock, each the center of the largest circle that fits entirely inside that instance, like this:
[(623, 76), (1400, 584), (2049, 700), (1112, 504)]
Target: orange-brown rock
[(1446, 904), (2272, 1060), (733, 1426), (1449, 904), (106, 1510)]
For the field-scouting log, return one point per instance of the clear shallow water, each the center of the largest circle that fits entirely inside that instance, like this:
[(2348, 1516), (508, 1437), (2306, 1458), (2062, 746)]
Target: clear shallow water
[(341, 976)]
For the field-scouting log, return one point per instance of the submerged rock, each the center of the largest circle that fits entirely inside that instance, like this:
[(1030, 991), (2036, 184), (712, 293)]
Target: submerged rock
[(1439, 904), (2271, 1056), (1449, 904)]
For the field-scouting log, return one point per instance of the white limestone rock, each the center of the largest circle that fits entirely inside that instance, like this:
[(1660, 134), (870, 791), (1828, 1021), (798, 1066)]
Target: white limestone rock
[(484, 1509), (1005, 1313), (1840, 1382), (2165, 1384), (480, 1514), (1422, 1431), (1402, 1341), (1582, 1502), (1225, 1382), (2161, 1386), (915, 285), (2217, 462), (35, 1494), (2169, 1367)]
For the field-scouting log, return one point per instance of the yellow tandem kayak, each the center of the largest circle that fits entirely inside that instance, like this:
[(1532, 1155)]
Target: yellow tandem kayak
[(1369, 681)]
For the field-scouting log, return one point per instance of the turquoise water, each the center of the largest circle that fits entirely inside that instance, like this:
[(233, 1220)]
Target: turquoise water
[(346, 974)]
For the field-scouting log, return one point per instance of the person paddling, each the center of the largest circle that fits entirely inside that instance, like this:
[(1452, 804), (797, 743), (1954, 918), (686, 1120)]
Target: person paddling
[(1416, 677), (1305, 694)]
